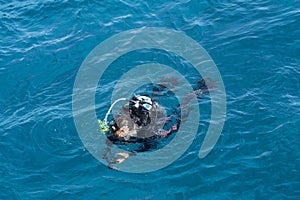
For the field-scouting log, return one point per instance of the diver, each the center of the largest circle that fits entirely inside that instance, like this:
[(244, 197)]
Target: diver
[(142, 122)]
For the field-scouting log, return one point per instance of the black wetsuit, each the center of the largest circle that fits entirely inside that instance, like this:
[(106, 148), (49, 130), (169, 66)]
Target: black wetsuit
[(144, 136), (149, 125)]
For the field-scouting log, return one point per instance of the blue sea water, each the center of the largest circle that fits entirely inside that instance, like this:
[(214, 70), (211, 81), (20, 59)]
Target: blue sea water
[(256, 47)]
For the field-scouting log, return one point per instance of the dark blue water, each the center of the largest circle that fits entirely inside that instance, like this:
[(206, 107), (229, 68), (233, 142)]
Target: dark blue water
[(256, 46)]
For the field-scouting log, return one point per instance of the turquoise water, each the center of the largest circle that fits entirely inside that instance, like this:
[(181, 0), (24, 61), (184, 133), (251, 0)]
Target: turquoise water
[(256, 46)]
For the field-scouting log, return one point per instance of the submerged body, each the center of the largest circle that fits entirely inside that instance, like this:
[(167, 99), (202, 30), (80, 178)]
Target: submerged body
[(142, 123), (139, 126)]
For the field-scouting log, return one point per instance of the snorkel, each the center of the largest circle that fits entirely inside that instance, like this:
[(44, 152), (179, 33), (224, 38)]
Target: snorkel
[(103, 125)]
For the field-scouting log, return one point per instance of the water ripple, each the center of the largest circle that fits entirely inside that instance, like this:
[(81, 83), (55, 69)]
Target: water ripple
[(255, 46)]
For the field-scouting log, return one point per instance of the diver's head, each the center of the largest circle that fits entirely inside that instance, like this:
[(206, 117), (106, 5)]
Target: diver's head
[(139, 108), (142, 102)]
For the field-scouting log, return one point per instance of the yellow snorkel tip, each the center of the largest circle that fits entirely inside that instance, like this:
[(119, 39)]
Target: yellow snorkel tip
[(103, 127)]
